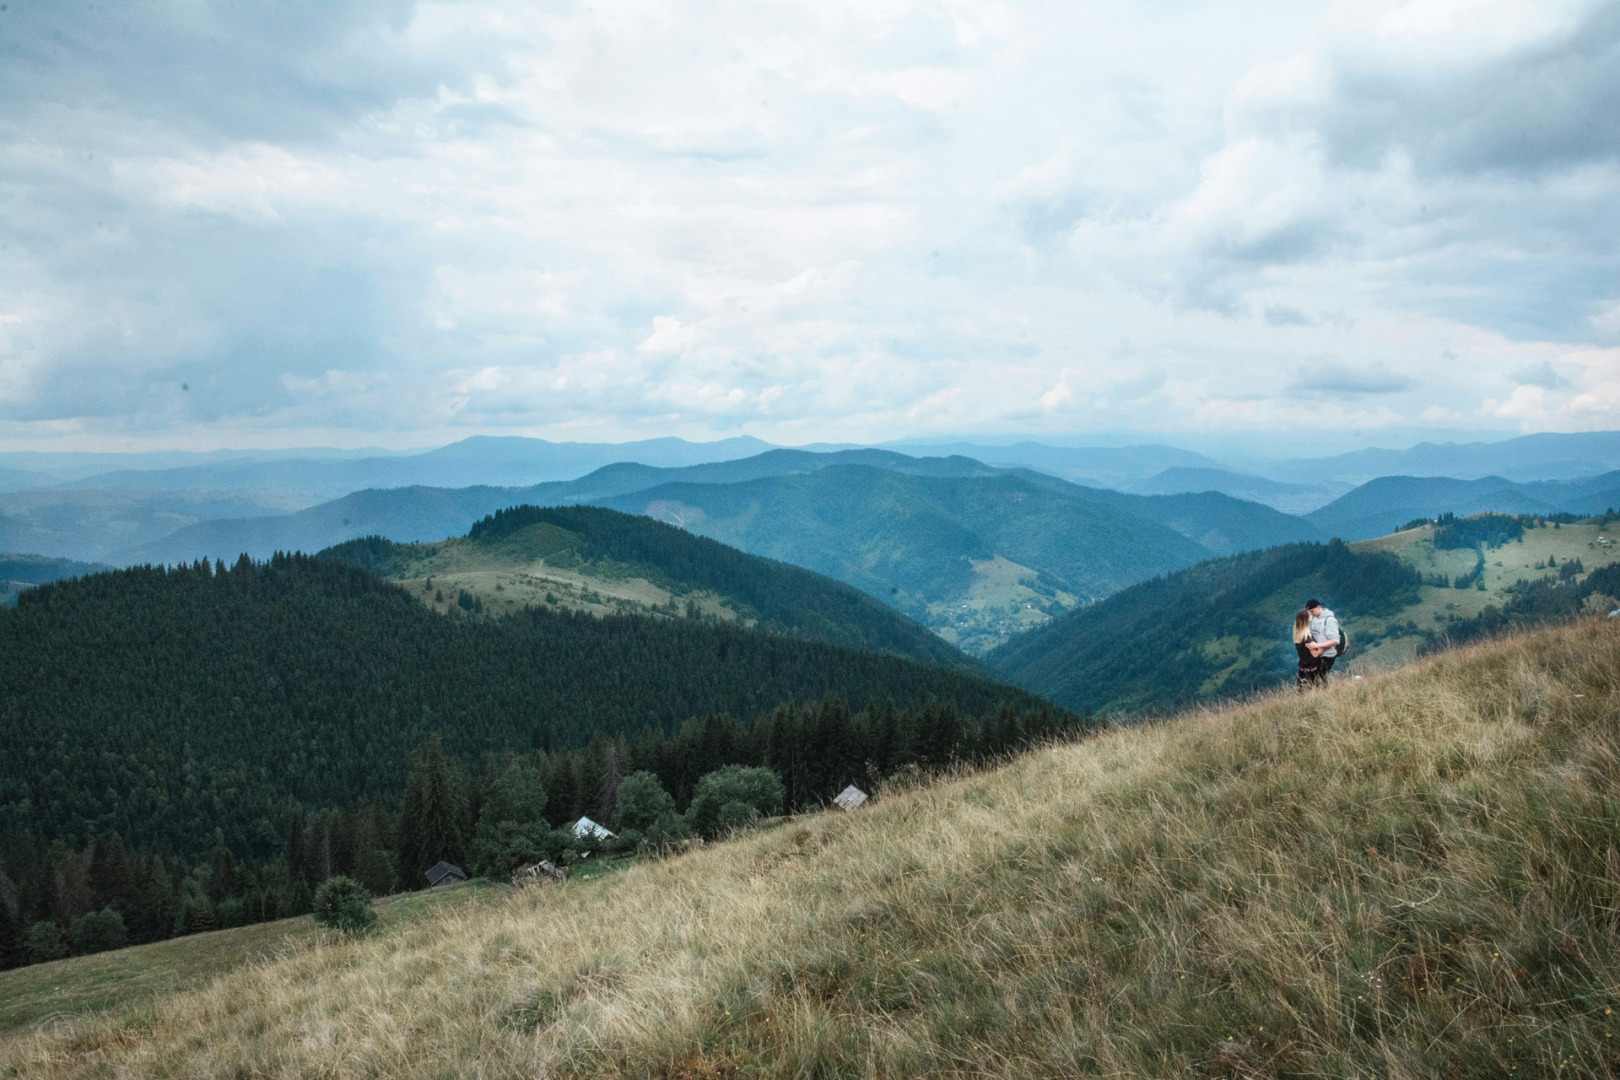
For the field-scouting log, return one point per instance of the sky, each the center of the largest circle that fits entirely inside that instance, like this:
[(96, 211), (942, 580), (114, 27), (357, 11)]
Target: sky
[(397, 224)]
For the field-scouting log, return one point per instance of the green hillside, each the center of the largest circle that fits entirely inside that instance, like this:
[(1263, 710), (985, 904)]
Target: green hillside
[(1406, 877), (975, 558), (603, 562), (1222, 627), (200, 747), (166, 705), (18, 572)]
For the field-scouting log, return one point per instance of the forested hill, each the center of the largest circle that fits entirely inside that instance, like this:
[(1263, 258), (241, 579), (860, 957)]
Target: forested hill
[(162, 705), (1210, 631), (600, 560), (975, 558), (18, 572)]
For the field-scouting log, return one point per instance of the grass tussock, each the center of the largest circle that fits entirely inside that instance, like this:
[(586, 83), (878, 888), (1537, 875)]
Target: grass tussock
[(1413, 875)]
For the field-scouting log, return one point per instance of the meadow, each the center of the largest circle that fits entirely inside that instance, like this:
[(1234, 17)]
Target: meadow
[(1413, 874)]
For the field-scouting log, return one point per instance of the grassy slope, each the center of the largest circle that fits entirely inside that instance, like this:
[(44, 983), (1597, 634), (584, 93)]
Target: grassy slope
[(1130, 652), (1503, 566), (129, 978), (603, 562), (1411, 875)]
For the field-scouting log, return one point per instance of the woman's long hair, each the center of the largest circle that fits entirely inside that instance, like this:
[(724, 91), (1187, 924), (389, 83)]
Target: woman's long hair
[(1302, 625)]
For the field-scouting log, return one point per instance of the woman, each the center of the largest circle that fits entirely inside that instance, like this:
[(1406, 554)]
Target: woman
[(1310, 652)]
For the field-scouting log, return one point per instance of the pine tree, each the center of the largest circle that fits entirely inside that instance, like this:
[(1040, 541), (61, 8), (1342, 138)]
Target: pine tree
[(11, 931), (433, 812), (610, 754)]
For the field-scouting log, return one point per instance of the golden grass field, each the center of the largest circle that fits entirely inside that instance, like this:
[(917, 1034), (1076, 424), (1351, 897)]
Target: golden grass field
[(1411, 875)]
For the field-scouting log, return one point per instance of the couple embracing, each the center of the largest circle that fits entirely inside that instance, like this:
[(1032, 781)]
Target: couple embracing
[(1319, 642)]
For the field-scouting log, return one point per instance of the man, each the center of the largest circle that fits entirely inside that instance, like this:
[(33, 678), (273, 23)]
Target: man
[(1324, 627)]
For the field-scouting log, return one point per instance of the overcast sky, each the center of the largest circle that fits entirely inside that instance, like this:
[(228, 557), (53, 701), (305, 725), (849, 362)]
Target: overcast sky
[(398, 224)]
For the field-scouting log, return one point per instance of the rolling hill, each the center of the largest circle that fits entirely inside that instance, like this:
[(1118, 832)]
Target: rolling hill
[(1403, 877), (975, 558), (1220, 628), (586, 558)]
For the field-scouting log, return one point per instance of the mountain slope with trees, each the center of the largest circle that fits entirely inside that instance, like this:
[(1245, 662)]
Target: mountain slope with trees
[(601, 560), (1209, 631), (975, 558), (200, 747), (168, 704), (1221, 628), (974, 552)]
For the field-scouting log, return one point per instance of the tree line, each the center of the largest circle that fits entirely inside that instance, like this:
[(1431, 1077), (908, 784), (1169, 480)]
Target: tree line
[(710, 775), (203, 746)]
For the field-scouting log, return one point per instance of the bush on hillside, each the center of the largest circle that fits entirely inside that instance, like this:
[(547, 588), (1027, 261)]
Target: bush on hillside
[(642, 802), (42, 941), (733, 796), (98, 931), (343, 904)]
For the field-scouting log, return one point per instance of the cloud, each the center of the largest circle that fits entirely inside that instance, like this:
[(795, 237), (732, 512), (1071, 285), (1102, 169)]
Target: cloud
[(668, 336), (1331, 375), (1541, 375), (403, 221), (1282, 315)]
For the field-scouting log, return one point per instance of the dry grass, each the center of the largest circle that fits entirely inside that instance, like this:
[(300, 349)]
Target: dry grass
[(1412, 875)]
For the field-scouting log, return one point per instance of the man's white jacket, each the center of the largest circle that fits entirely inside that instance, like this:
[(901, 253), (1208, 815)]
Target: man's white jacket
[(1325, 627)]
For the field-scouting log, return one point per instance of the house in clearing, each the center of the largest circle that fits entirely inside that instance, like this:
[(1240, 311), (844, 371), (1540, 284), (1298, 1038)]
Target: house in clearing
[(586, 829), (850, 798), (445, 873)]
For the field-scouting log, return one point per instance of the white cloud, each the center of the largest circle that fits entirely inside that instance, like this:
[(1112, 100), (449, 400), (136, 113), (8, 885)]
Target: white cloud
[(830, 220), (668, 336)]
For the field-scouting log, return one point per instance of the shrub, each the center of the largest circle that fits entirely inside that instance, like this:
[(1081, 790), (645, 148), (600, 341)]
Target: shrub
[(42, 941), (642, 801), (754, 787), (504, 846), (98, 931), (343, 904), (734, 815)]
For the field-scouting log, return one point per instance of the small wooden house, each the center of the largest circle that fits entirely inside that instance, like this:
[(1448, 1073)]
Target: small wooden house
[(444, 873), (586, 829), (850, 798)]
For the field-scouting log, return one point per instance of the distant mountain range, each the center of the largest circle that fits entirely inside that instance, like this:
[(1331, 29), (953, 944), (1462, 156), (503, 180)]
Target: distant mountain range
[(1383, 505), (303, 478), (1545, 456), (974, 552), (1289, 498), (1119, 467)]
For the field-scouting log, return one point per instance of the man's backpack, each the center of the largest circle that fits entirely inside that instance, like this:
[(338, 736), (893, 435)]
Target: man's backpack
[(1344, 643)]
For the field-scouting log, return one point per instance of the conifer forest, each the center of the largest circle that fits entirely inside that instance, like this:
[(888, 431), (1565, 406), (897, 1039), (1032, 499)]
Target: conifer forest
[(203, 746)]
